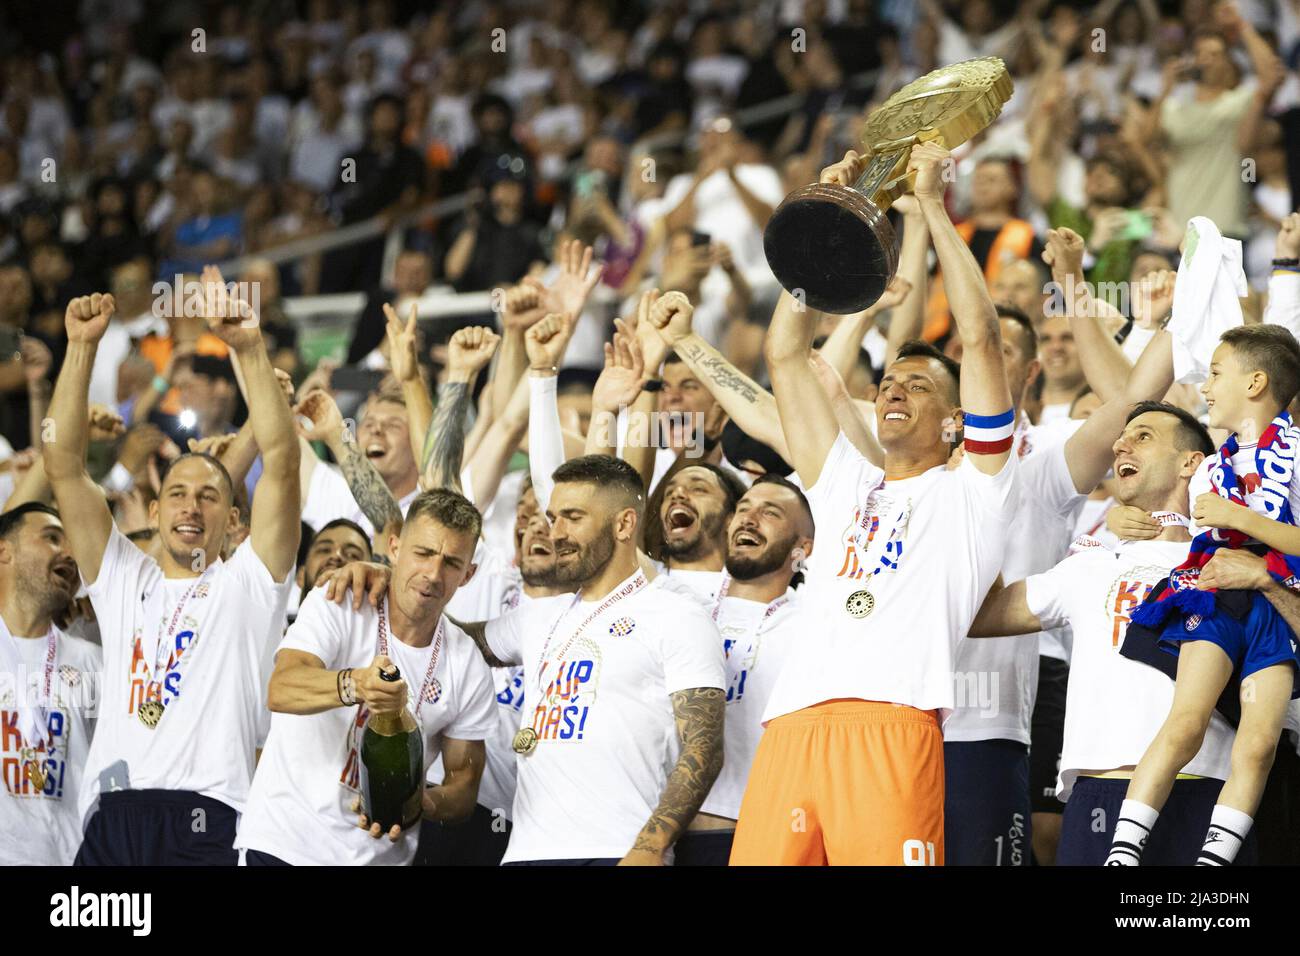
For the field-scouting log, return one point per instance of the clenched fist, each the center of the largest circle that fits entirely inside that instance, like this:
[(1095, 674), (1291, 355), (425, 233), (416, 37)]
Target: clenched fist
[(546, 341), (671, 316), (468, 351), (86, 318), (931, 163)]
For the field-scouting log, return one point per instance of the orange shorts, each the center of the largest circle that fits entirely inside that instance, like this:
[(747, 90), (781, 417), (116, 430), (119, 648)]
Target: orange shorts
[(846, 782)]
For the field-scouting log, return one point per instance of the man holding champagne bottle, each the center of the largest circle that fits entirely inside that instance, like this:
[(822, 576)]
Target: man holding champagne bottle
[(305, 797)]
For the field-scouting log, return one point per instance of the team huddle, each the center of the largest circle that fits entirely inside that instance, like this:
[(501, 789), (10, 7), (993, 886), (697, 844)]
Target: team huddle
[(845, 641)]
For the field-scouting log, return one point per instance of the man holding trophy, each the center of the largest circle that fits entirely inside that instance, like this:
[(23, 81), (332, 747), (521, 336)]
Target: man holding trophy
[(850, 770)]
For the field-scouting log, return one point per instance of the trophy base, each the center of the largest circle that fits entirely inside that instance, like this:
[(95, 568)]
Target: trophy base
[(833, 247)]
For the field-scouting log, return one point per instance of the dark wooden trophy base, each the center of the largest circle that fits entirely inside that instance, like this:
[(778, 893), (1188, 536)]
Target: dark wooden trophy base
[(833, 243)]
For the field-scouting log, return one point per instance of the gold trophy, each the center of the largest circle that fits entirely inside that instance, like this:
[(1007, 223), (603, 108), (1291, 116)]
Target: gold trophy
[(833, 245)]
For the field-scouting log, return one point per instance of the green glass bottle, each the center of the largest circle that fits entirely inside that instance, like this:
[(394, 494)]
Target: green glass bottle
[(392, 767)]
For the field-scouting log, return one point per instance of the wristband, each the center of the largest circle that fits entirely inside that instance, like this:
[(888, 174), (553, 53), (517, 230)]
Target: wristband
[(1286, 263), (547, 370), (160, 385), (653, 385), (347, 688)]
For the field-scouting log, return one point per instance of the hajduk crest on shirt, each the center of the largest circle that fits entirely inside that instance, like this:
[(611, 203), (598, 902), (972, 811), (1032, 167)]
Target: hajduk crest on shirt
[(1275, 464)]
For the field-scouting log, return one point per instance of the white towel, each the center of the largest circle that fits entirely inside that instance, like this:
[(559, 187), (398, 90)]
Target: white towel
[(1211, 283)]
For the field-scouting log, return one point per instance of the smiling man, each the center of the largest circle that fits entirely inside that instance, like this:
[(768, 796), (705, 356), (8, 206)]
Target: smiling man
[(621, 735), (768, 539), (338, 543), (853, 747), (184, 636), (698, 502), (381, 446), (47, 692), (300, 806)]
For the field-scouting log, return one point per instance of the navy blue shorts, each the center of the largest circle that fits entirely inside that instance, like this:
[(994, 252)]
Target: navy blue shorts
[(1260, 640), (1047, 734), (598, 861), (986, 808), (159, 828), (1090, 814), (478, 840), (258, 858), (703, 848)]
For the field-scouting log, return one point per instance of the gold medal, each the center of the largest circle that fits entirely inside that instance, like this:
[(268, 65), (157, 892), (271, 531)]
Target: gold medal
[(36, 775), (525, 741), (860, 603), (150, 713)]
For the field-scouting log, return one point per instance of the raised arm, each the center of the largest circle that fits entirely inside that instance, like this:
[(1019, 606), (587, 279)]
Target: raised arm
[(522, 308), (908, 318), (468, 352), (545, 342), (402, 347), (1089, 451), (746, 402), (1103, 361), (699, 714), (87, 519), (372, 495), (277, 504), (984, 389), (841, 348)]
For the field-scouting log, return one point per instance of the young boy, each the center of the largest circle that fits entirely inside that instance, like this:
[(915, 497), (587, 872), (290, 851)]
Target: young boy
[(1246, 496)]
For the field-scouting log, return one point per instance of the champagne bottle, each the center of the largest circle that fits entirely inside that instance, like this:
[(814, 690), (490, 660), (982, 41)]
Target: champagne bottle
[(392, 767)]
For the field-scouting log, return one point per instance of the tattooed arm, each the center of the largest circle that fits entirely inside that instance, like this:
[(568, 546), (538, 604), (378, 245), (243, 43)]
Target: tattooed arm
[(373, 496), (746, 402), (444, 448), (445, 444), (368, 488), (699, 715)]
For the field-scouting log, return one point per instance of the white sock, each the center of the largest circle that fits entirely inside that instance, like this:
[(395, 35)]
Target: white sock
[(1228, 827), (1132, 831)]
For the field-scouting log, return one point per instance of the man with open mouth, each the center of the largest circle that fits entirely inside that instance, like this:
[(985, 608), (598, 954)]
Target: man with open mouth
[(47, 692), (184, 637), (769, 537), (698, 502)]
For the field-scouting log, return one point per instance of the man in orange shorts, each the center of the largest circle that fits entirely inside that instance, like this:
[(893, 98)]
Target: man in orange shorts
[(850, 768)]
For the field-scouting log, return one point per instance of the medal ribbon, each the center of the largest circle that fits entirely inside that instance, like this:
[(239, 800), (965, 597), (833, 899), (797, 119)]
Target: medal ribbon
[(772, 608), (33, 722), (433, 658), (167, 641), (894, 543), (637, 582)]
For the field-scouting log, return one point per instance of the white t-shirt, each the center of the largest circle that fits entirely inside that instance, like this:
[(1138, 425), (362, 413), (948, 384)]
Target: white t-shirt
[(330, 498), (703, 584), (996, 678), (299, 806), (903, 651), (748, 642), (1114, 706), (495, 589), (206, 739), (44, 829), (1092, 522), (607, 738)]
